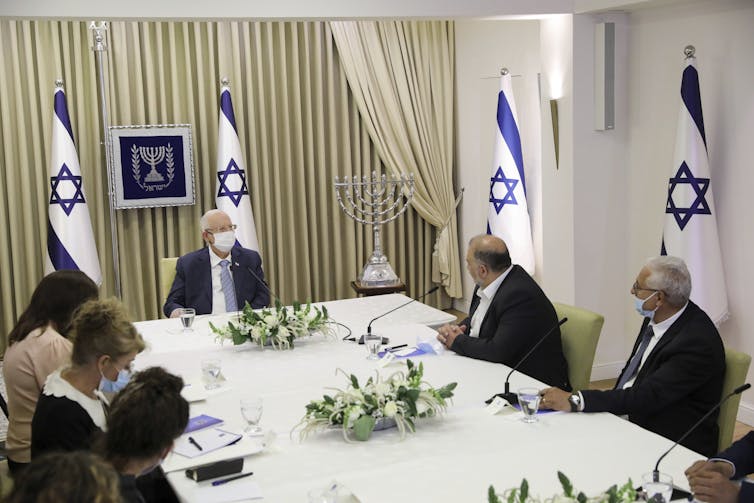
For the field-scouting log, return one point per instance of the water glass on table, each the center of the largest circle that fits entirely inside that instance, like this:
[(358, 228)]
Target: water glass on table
[(373, 343), (528, 399), (251, 410), (657, 487), (211, 368), (187, 315)]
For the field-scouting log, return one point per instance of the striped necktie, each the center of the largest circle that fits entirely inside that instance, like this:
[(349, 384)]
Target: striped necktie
[(226, 282)]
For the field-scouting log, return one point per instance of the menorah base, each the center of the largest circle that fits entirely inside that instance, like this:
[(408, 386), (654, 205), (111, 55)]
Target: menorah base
[(378, 274)]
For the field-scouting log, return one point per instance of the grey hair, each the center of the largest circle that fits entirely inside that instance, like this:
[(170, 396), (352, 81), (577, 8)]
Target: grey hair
[(670, 275), (203, 223)]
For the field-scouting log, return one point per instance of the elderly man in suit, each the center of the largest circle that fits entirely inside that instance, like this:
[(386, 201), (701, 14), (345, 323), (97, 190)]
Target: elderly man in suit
[(220, 277), (675, 373), (508, 316)]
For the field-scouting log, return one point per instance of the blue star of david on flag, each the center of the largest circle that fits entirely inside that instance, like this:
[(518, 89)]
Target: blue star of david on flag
[(65, 176), (508, 185), (698, 207), (224, 190)]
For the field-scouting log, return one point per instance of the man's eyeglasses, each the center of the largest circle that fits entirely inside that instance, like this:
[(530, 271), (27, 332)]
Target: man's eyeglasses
[(637, 287), (227, 228)]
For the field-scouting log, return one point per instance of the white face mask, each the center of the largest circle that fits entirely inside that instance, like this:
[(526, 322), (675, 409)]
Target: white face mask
[(224, 241)]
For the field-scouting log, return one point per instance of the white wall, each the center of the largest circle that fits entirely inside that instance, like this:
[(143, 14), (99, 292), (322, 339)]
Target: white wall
[(724, 39), (482, 48)]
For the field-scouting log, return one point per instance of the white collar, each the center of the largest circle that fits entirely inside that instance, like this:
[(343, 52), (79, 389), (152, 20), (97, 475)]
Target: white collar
[(491, 289), (665, 324), (214, 260), (58, 387)]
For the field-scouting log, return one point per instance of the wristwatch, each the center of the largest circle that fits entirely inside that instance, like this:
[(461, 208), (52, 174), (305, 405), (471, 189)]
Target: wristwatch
[(575, 401)]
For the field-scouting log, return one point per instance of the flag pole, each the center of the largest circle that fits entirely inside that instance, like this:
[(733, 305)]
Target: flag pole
[(100, 46)]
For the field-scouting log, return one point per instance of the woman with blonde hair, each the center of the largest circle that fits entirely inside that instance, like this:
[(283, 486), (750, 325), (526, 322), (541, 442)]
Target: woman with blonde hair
[(71, 409), (38, 345)]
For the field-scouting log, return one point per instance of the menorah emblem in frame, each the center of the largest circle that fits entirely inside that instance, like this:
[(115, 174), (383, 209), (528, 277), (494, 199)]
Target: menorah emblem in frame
[(375, 200), (152, 165)]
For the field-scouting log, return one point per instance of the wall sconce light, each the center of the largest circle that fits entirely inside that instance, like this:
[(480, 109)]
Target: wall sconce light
[(555, 132)]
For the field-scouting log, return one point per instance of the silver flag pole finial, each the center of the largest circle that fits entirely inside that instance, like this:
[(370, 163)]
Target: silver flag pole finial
[(59, 83), (689, 51), (504, 71), (225, 81)]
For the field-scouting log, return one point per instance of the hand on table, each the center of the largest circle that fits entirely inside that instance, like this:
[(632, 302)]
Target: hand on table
[(710, 481), (446, 334), (555, 399), (175, 313)]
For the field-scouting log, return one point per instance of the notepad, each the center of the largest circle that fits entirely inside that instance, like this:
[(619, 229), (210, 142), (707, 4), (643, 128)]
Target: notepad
[(209, 439), (200, 422)]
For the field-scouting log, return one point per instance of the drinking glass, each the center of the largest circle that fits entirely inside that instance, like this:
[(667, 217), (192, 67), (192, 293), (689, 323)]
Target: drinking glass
[(657, 491), (251, 410), (187, 318), (211, 373), (372, 342), (528, 399)]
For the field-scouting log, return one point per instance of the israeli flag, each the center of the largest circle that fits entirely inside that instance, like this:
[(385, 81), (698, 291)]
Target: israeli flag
[(232, 180), (508, 216), (690, 229), (70, 240)]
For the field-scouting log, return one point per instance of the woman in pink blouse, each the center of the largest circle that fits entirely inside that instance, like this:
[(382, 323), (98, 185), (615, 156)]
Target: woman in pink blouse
[(37, 347)]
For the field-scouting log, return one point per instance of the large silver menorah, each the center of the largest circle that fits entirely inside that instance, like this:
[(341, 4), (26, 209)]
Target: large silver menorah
[(153, 156), (374, 201)]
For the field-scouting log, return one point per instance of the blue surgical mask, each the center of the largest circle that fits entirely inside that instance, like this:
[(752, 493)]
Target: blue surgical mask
[(109, 386), (639, 305)]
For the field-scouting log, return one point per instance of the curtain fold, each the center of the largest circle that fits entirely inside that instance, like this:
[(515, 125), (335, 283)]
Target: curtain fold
[(297, 120), (401, 76)]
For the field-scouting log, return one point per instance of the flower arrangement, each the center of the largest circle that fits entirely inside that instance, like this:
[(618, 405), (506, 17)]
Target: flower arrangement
[(400, 398), (623, 494), (278, 326)]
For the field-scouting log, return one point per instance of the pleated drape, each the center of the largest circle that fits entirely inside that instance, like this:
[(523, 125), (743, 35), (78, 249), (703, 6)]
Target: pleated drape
[(297, 120)]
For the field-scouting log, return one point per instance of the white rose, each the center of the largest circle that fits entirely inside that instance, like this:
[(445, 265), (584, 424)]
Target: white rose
[(382, 388), (271, 320), (391, 408)]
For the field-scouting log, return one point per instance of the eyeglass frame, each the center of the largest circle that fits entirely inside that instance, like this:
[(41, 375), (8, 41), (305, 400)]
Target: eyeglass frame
[(228, 228)]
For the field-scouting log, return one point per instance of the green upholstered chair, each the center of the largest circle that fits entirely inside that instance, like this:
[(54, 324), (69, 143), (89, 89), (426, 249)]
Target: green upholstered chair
[(736, 369), (579, 336), (167, 275)]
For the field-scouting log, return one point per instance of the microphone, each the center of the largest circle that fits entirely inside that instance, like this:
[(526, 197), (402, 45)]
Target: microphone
[(737, 391), (260, 280), (384, 339), (512, 398)]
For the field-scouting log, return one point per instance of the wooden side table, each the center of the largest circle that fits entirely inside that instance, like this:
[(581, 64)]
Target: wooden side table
[(368, 291)]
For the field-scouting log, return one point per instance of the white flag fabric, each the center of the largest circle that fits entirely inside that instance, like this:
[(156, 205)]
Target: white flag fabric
[(690, 229), (232, 180), (70, 240), (508, 216)]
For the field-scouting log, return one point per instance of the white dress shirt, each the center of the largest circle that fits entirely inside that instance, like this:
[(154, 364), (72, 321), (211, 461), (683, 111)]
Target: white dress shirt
[(218, 297), (485, 299)]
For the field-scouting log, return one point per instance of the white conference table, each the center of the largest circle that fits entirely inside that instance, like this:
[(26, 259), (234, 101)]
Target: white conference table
[(453, 458)]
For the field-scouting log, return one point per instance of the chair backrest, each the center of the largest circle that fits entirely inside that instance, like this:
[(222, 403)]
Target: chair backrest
[(579, 336), (167, 275), (736, 369)]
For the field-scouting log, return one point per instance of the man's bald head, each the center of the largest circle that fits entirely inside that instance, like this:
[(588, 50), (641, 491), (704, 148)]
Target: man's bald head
[(490, 251)]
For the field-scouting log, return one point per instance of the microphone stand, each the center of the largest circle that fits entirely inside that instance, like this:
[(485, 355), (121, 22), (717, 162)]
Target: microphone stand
[(512, 398), (385, 340), (737, 391)]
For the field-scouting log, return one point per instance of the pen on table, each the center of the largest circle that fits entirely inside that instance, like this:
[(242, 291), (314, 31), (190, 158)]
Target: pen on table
[(399, 346), (195, 443), (229, 479)]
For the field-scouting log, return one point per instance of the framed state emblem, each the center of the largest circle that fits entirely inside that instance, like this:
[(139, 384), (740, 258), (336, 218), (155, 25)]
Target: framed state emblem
[(152, 165)]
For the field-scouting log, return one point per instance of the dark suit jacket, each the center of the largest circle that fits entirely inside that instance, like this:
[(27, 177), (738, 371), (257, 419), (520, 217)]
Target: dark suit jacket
[(680, 381), (741, 454), (519, 315), (192, 286)]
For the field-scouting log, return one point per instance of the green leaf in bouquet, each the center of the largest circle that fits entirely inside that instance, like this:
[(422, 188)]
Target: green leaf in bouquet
[(566, 484), (363, 427), (354, 382), (492, 495), (278, 304), (524, 490)]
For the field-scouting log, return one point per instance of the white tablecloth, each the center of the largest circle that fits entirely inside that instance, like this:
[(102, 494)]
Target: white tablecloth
[(454, 458)]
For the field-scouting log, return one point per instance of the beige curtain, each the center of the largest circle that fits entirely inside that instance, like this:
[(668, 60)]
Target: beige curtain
[(401, 75), (297, 120)]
